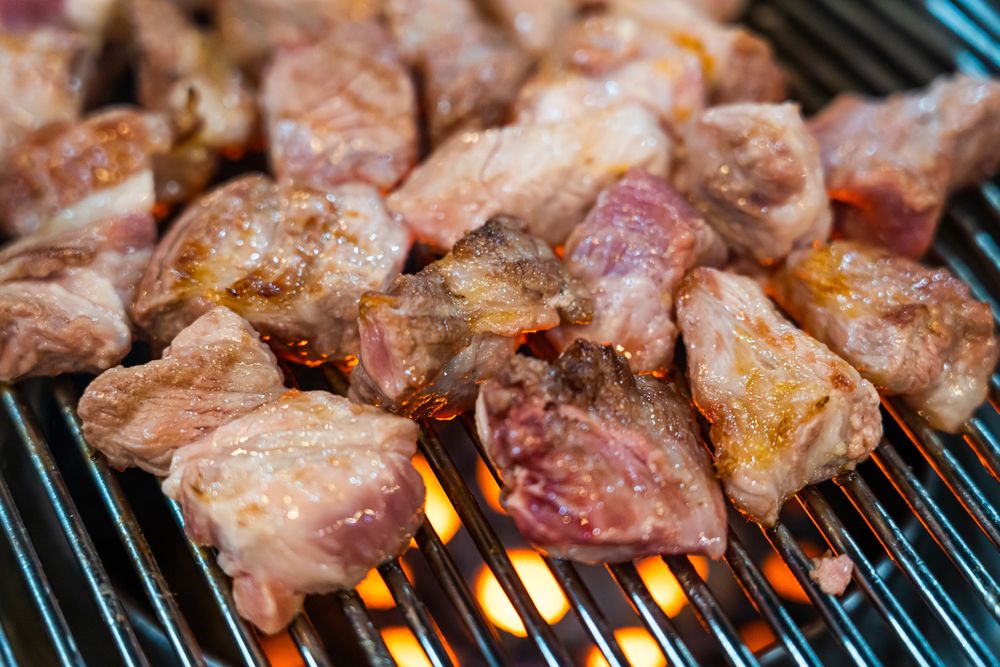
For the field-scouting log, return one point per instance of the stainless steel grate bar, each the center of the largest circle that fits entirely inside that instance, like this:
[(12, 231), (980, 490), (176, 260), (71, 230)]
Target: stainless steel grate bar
[(308, 642), (414, 613), (109, 605), (984, 444), (6, 651), (129, 531), (369, 639)]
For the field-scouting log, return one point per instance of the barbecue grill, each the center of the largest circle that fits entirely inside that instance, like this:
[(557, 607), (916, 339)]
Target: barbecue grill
[(94, 568)]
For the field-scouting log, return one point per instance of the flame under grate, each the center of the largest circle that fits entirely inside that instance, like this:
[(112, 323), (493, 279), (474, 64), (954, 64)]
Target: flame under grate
[(95, 569)]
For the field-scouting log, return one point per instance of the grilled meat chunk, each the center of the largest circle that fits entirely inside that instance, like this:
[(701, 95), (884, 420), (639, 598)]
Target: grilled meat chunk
[(69, 175), (303, 495), (469, 69), (890, 164), (214, 371), (547, 175), (342, 109), (832, 573), (785, 411), (909, 329), (600, 465), (535, 25), (631, 252), (63, 296), (294, 262), (431, 338), (755, 172)]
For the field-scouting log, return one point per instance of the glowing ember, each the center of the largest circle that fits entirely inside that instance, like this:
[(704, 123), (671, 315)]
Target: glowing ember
[(374, 592), (405, 649), (489, 488), (663, 585), (781, 577), (541, 585), (756, 635), (439, 510), (281, 651), (639, 647)]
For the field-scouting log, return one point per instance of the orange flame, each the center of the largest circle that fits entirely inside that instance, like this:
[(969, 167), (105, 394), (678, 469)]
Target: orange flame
[(541, 585), (663, 585), (638, 645)]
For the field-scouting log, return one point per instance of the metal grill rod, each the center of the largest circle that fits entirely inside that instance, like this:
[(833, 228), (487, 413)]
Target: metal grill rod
[(109, 605), (369, 639), (414, 613), (175, 627), (308, 643), (984, 444), (6, 652)]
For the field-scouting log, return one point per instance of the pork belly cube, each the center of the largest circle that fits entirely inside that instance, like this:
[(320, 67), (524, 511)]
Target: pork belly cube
[(909, 329), (69, 175), (303, 495), (214, 371), (469, 69), (431, 338), (631, 251), (785, 410), (292, 261), (547, 175), (600, 465), (63, 297), (890, 164), (42, 75), (339, 110), (755, 173)]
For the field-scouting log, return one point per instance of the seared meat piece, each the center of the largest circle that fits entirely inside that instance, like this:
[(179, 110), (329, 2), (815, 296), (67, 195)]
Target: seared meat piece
[(90, 17), (785, 411), (910, 329), (214, 371), (343, 109), (720, 10), (832, 573), (600, 465), (68, 175), (547, 175), (63, 296), (253, 29), (755, 172), (294, 262), (739, 66), (632, 251), (303, 495), (890, 164), (430, 339), (536, 25), (183, 71), (470, 71), (42, 74)]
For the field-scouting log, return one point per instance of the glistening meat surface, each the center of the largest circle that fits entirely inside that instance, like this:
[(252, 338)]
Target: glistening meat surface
[(431, 338), (600, 465), (785, 410), (303, 495), (214, 371)]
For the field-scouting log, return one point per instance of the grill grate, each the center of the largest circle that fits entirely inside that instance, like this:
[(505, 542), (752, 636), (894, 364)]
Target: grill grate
[(879, 46)]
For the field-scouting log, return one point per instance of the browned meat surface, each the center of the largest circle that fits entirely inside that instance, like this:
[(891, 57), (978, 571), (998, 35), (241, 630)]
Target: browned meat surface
[(832, 573), (42, 74), (755, 172), (720, 10), (214, 371), (739, 66), (69, 175), (785, 411), (303, 495), (183, 71), (294, 262), (63, 297), (910, 329), (342, 109), (547, 175), (535, 25), (631, 252), (253, 29), (891, 163), (431, 338), (600, 465), (90, 17), (469, 69)]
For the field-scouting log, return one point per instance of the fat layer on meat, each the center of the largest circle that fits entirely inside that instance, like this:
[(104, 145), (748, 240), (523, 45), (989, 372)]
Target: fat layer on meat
[(785, 410), (303, 495), (69, 175), (600, 465), (342, 109), (755, 172), (535, 25), (910, 329), (214, 371), (631, 251), (63, 296), (891, 163), (292, 261), (547, 175), (431, 338)]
